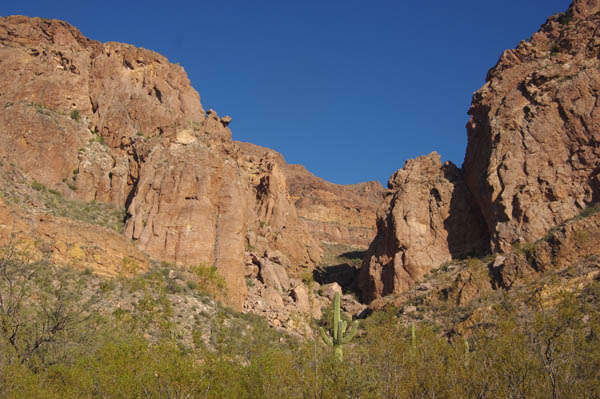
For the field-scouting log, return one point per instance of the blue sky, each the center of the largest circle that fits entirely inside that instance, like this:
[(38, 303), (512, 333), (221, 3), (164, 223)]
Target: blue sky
[(351, 89)]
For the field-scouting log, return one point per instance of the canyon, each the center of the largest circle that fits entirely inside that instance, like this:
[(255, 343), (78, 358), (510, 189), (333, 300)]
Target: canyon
[(108, 123)]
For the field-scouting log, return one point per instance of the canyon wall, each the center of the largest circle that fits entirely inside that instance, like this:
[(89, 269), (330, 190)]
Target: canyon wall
[(531, 163), (532, 156)]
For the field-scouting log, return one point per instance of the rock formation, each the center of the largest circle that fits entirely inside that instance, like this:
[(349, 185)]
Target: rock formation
[(112, 123), (427, 218), (532, 157), (273, 221), (332, 213), (531, 163), (117, 124)]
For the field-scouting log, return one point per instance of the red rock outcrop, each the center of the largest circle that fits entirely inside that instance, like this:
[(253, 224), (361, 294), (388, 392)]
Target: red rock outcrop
[(427, 218), (110, 122), (332, 213), (57, 86), (533, 157), (273, 221), (114, 123)]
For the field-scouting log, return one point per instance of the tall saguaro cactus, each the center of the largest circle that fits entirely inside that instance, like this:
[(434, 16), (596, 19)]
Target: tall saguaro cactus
[(337, 336)]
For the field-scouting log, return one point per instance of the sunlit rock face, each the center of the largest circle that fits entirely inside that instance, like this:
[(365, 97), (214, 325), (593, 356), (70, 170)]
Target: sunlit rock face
[(427, 218), (532, 156)]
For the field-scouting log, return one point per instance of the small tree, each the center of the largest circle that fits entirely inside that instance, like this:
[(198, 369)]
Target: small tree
[(336, 337), (42, 309)]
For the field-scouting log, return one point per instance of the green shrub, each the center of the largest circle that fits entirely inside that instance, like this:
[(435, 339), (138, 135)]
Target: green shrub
[(208, 278), (75, 115), (37, 186)]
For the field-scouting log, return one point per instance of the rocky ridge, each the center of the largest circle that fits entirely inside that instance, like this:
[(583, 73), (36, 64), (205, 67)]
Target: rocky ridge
[(332, 213), (427, 218), (116, 124)]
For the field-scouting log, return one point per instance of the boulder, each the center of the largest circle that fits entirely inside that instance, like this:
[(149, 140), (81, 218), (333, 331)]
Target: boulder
[(329, 290), (301, 298), (273, 298), (274, 275)]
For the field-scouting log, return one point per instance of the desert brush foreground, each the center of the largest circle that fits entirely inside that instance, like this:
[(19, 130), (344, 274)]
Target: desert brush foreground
[(146, 254)]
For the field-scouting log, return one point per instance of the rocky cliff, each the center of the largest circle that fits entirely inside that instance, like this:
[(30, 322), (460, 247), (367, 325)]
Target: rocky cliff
[(332, 213), (531, 163), (427, 218), (112, 123), (532, 156)]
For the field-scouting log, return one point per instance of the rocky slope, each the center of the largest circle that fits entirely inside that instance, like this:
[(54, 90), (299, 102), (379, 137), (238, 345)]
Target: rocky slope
[(531, 162), (466, 295), (112, 123), (46, 225)]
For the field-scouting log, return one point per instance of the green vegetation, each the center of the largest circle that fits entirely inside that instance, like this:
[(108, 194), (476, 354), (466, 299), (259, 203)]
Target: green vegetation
[(208, 279), (51, 201), (75, 115), (70, 334), (37, 186), (41, 109), (338, 254), (96, 137), (590, 210), (102, 214), (564, 18), (337, 335)]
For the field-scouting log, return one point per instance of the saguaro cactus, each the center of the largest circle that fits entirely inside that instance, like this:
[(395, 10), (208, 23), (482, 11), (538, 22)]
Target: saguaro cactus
[(338, 336)]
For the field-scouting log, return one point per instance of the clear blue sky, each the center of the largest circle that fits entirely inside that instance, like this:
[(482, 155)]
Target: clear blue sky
[(351, 89)]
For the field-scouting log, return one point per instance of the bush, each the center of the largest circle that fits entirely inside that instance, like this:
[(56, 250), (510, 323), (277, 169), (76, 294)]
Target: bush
[(75, 115), (208, 279)]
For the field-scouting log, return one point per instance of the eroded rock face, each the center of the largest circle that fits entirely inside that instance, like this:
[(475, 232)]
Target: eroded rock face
[(109, 122), (533, 156), (273, 217), (114, 123), (57, 86), (331, 213), (427, 218)]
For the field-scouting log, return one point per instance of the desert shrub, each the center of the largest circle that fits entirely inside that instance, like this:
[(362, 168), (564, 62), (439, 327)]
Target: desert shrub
[(523, 349), (43, 312), (37, 186), (208, 279)]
